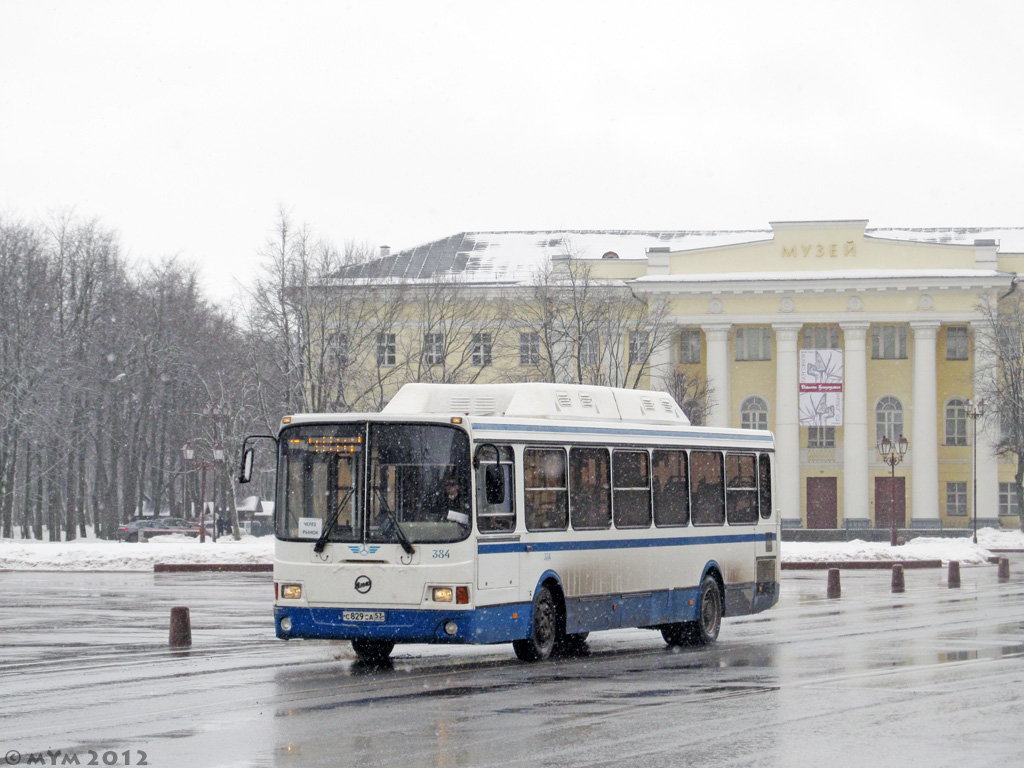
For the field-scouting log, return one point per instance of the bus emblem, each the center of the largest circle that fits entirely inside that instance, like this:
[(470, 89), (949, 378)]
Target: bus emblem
[(363, 584), (362, 549)]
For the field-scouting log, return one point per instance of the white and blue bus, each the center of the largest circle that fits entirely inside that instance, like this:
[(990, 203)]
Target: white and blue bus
[(530, 513)]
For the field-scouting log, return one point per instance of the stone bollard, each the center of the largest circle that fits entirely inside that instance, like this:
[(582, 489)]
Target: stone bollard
[(954, 574), (181, 628), (834, 588), (897, 578), (1004, 569)]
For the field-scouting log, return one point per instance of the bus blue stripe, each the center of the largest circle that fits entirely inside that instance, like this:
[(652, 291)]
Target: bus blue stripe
[(676, 433), (569, 546)]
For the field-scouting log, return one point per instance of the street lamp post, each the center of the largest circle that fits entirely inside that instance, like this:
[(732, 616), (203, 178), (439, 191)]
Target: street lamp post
[(892, 452), (189, 452), (974, 411)]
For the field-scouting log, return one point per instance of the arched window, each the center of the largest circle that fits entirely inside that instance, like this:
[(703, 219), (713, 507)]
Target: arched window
[(754, 413), (956, 422), (888, 418)]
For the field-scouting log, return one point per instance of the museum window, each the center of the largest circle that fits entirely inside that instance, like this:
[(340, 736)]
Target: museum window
[(754, 413), (482, 346), (821, 437), (889, 419), (433, 348), (1008, 499), (590, 348), (529, 348), (638, 347), (689, 346), (889, 342), (956, 422), (821, 337), (341, 351), (753, 343), (956, 499), (956, 342), (386, 349)]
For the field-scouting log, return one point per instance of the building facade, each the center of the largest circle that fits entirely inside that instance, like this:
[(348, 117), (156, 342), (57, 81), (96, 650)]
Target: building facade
[(828, 333)]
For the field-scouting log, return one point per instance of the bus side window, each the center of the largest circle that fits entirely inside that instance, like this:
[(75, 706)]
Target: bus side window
[(546, 492), (741, 488), (765, 481), (590, 501), (500, 516), (671, 488), (631, 494), (707, 488)]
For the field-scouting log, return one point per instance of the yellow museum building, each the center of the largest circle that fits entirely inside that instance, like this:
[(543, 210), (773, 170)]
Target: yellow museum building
[(829, 333)]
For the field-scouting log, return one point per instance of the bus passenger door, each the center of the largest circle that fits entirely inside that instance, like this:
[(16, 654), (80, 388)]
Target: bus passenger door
[(769, 529), (497, 542)]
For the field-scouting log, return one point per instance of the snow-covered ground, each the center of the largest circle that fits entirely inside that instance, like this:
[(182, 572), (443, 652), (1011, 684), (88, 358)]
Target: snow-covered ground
[(90, 554), (963, 549)]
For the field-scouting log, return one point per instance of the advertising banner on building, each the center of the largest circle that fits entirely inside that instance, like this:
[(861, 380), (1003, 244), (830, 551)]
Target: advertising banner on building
[(821, 388)]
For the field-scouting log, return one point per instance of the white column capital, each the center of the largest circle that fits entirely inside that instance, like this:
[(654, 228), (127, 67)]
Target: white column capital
[(854, 330), (925, 330), (787, 331), (717, 332)]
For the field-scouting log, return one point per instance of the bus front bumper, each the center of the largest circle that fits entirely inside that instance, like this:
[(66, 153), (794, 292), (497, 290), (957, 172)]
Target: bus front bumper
[(491, 624)]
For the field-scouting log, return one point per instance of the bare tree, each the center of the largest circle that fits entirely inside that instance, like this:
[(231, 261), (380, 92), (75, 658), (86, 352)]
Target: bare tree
[(456, 326), (694, 394), (588, 330), (1002, 384)]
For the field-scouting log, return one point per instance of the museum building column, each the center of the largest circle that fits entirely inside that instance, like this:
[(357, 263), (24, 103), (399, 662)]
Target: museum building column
[(856, 485), (717, 337), (924, 437), (787, 422)]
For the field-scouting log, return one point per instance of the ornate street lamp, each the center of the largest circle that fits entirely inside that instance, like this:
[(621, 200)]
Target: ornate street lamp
[(975, 410), (219, 455), (892, 452)]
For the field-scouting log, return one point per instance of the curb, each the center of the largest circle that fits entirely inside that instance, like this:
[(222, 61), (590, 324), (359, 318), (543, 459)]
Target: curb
[(213, 567), (860, 565)]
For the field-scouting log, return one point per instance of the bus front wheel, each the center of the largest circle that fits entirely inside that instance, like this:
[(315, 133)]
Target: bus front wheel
[(373, 651), (544, 635), (704, 630)]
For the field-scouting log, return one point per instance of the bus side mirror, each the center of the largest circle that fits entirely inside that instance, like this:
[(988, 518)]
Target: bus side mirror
[(245, 471), (494, 482)]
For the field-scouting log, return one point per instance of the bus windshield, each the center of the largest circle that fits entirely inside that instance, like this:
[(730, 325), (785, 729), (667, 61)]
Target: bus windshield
[(356, 482)]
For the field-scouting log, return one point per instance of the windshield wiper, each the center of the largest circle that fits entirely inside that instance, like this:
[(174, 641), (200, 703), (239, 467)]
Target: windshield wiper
[(402, 538), (329, 528)]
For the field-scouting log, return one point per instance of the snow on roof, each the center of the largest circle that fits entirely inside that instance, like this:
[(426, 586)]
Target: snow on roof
[(1009, 239), (516, 257)]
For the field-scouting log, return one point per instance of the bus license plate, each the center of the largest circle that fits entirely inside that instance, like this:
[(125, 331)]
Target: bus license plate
[(363, 616)]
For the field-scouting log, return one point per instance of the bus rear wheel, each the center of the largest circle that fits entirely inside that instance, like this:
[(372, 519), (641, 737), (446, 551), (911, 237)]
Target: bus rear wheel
[(704, 630), (373, 651), (544, 635)]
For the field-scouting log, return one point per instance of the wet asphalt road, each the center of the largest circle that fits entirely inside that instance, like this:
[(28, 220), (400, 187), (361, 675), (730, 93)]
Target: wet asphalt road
[(932, 677)]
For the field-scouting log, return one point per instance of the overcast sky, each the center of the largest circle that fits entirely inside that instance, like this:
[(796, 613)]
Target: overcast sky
[(185, 126)]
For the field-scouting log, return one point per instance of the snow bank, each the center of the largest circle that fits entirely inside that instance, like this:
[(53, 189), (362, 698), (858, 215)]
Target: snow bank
[(962, 549), (97, 555), (91, 554)]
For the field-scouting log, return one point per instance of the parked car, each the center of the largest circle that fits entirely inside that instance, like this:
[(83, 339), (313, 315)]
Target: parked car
[(140, 530)]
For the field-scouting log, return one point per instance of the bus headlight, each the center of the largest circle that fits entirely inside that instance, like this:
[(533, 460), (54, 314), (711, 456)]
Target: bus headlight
[(450, 627), (286, 624), (291, 591), (442, 595)]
